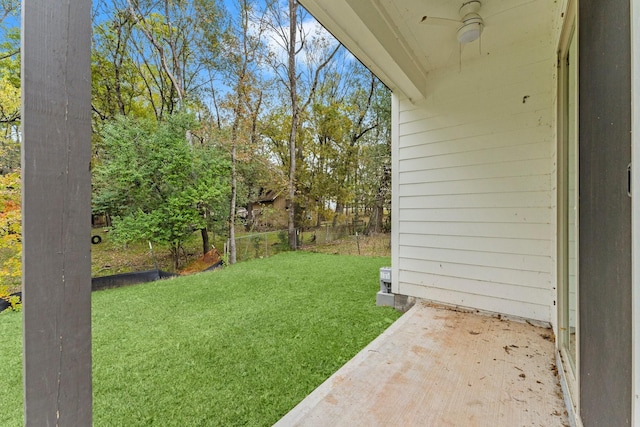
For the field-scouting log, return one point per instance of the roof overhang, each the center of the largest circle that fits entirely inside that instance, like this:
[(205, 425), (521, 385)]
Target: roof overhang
[(368, 32)]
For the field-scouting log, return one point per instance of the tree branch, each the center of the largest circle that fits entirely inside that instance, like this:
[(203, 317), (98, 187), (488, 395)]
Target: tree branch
[(10, 54), (316, 76), (163, 58)]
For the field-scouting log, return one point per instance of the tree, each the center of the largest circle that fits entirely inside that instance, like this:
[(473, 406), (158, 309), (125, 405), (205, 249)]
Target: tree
[(9, 125), (377, 171), (334, 136), (362, 123), (152, 56), (9, 89), (179, 34), (7, 8), (118, 86), (147, 181), (286, 26), (10, 183), (245, 50)]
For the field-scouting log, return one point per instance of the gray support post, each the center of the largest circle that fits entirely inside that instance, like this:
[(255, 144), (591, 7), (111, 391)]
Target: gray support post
[(56, 211)]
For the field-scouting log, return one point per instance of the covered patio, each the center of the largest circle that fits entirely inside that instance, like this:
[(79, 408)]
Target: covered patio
[(436, 366), (491, 144)]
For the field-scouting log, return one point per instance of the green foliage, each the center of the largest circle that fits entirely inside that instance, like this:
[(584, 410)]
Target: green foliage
[(257, 242), (10, 230), (9, 124), (154, 183), (148, 57), (225, 259), (10, 45), (283, 240), (15, 303), (118, 84), (9, 97)]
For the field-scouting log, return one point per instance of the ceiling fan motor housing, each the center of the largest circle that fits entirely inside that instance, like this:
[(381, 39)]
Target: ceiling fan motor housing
[(468, 7), (472, 23)]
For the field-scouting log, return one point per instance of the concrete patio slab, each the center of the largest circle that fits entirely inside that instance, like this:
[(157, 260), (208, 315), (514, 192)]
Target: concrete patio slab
[(439, 367)]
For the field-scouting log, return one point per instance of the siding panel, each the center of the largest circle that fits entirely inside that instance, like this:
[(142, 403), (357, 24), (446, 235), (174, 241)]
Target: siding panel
[(477, 185), (521, 168), (531, 199), (493, 289), (516, 307), (477, 229), (520, 115), (417, 147), (536, 247), (517, 215), (448, 272), (479, 156), (508, 261)]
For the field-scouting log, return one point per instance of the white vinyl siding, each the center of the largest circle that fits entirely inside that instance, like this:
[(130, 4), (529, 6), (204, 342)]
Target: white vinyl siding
[(474, 183)]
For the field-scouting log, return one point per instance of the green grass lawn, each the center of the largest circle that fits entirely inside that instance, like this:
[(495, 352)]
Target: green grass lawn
[(239, 346)]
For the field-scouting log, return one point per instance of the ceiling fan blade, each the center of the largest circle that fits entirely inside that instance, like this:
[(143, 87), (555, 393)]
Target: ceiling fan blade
[(443, 22)]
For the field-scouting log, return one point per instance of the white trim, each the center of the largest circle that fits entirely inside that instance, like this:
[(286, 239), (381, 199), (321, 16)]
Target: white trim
[(395, 190), (574, 420), (568, 370), (635, 209)]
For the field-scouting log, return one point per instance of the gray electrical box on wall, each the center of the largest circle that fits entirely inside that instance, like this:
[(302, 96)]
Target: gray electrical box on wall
[(384, 296)]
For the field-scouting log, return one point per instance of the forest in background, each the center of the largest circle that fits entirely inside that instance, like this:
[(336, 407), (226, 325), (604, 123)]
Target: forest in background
[(202, 107)]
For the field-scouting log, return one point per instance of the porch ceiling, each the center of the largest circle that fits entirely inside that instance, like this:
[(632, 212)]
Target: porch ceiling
[(387, 36)]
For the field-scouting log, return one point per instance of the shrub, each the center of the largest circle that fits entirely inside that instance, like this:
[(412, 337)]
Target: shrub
[(15, 302), (10, 230)]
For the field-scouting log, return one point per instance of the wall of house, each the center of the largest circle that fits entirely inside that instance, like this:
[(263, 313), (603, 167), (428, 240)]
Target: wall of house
[(474, 179)]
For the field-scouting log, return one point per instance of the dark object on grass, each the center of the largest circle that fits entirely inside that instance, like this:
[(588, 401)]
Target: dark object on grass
[(125, 279), (215, 266), (96, 239), (5, 305)]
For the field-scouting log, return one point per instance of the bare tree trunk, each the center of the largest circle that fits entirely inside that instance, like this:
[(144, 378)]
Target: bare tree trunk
[(234, 183), (175, 252), (293, 93), (243, 103), (232, 208), (297, 106), (319, 215), (339, 210), (216, 107), (205, 240)]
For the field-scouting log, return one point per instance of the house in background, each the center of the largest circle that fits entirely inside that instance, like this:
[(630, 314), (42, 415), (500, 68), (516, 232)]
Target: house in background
[(269, 209), (512, 178), (271, 198)]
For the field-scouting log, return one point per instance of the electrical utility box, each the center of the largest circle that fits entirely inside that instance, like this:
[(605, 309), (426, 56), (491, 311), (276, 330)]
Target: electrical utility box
[(384, 296)]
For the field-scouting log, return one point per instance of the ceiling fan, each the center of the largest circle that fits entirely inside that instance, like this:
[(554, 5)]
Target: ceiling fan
[(469, 25)]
